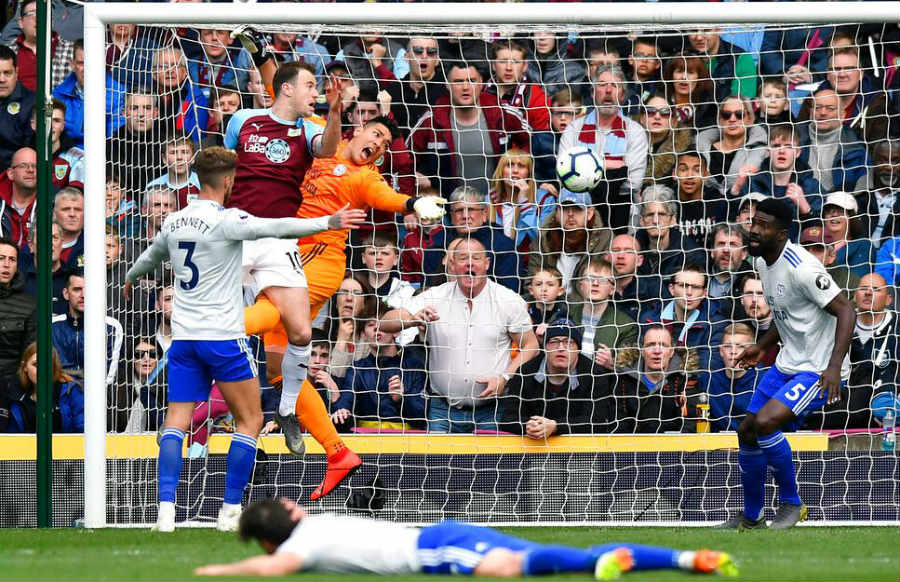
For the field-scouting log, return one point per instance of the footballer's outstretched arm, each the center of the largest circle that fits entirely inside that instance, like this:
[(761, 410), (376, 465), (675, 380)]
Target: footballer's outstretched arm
[(327, 145), (830, 380), (242, 226), (266, 565), (155, 254), (379, 195)]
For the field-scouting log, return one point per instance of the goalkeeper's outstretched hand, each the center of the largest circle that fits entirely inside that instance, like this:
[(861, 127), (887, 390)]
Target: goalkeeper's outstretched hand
[(254, 42), (430, 208)]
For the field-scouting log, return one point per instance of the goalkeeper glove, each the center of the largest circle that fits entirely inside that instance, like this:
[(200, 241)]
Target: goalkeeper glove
[(429, 207), (254, 42)]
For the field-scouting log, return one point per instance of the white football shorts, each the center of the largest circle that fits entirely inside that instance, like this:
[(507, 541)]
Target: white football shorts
[(271, 262)]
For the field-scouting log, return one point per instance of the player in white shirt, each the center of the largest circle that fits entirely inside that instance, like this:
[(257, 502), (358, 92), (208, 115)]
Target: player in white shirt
[(204, 244), (814, 322), (294, 540)]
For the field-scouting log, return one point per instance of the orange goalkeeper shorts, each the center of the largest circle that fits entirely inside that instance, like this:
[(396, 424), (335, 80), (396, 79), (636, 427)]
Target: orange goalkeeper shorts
[(324, 266)]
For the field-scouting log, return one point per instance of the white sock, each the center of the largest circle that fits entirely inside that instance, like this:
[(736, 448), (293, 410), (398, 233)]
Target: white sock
[(293, 373), (231, 506), (166, 508), (686, 560)]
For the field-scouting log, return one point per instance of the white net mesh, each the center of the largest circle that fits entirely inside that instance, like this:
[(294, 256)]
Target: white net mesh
[(693, 129)]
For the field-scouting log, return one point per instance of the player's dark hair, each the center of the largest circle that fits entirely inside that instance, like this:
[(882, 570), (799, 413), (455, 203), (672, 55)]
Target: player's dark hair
[(389, 123), (462, 65), (778, 210), (57, 105), (211, 164), (266, 519), (287, 72)]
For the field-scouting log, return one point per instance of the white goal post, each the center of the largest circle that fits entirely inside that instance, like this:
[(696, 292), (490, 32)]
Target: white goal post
[(98, 16)]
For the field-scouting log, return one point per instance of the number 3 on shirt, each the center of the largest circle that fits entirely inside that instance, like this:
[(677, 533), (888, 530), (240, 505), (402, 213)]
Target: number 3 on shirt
[(188, 248)]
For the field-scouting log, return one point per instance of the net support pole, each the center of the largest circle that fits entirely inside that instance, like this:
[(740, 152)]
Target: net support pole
[(95, 272), (44, 465)]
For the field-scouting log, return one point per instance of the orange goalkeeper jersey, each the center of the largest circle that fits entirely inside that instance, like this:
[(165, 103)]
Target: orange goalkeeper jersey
[(333, 182)]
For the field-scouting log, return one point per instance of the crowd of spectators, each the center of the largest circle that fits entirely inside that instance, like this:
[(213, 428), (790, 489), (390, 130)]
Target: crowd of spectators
[(530, 309)]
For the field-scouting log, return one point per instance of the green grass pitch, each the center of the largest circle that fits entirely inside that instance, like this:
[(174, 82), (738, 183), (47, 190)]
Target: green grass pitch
[(804, 553)]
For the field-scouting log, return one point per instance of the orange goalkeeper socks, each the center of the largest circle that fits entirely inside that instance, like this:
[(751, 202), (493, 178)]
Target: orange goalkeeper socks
[(261, 317), (314, 417)]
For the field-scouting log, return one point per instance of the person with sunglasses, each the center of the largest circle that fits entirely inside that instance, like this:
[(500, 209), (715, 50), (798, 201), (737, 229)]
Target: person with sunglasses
[(736, 148), (666, 138), (138, 402), (415, 94)]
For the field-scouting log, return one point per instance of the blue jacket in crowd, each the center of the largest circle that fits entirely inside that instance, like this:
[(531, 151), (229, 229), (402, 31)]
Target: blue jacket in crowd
[(67, 334), (67, 414), (365, 391), (887, 263), (729, 398), (68, 93)]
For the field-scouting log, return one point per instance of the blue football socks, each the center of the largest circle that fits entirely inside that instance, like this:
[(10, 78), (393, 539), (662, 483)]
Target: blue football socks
[(778, 455), (239, 466), (169, 463), (753, 466)]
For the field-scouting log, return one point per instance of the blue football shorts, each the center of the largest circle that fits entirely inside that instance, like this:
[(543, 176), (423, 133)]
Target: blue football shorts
[(451, 547), (799, 392), (194, 364)]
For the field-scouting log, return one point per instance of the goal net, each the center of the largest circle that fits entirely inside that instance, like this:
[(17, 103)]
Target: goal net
[(694, 123)]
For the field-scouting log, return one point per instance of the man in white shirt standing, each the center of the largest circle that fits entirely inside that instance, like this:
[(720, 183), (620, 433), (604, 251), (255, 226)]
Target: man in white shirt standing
[(471, 324), (204, 244)]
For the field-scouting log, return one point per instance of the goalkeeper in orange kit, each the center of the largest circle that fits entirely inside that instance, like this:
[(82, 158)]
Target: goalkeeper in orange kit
[(348, 177)]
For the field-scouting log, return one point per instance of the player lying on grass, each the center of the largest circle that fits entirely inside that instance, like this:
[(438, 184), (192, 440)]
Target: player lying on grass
[(294, 541), (204, 244), (814, 322)]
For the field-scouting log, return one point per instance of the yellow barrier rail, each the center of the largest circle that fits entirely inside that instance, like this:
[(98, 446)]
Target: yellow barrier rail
[(23, 447)]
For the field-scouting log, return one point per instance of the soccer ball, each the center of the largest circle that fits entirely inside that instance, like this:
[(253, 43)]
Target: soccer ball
[(578, 169)]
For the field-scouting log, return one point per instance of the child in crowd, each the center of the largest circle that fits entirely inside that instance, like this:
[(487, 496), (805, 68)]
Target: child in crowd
[(730, 386), (548, 303), (565, 105), (772, 104), (380, 256), (385, 389), (178, 154), (419, 237)]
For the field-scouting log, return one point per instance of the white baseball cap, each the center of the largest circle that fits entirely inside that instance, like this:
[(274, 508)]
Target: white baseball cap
[(843, 200)]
